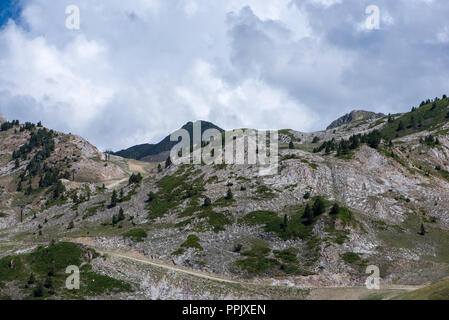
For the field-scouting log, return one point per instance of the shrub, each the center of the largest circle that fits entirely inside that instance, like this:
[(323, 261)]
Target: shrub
[(136, 235), (192, 242), (350, 257)]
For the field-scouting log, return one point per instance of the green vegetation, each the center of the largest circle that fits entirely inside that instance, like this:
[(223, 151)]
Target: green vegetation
[(116, 218), (265, 192), (430, 114), (286, 228), (216, 220), (345, 147), (436, 291), (261, 261), (191, 242), (430, 140), (173, 190), (314, 166), (136, 235), (41, 273), (135, 178), (350, 257), (93, 210)]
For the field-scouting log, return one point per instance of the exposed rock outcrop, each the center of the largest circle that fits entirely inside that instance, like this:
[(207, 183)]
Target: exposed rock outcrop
[(355, 115)]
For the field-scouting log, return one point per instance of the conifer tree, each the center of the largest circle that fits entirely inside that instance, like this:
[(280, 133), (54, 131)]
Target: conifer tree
[(335, 209), (308, 215), (114, 199), (423, 230)]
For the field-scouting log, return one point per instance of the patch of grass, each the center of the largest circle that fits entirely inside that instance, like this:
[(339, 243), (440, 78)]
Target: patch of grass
[(136, 235), (436, 291), (373, 296), (93, 210), (129, 195), (287, 255), (216, 220), (265, 192), (178, 252), (350, 257), (258, 261), (311, 164), (97, 284), (295, 227), (192, 242), (173, 191), (41, 273), (425, 117)]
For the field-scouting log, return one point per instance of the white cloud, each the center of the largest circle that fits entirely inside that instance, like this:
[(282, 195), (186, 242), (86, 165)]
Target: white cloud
[(137, 70), (250, 104), (55, 78)]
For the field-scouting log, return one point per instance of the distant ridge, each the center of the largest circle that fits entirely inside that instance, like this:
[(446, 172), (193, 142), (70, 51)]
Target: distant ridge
[(354, 116), (159, 152), (2, 118)]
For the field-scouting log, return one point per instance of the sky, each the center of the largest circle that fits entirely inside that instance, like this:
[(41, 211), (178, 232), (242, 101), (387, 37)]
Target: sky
[(137, 70)]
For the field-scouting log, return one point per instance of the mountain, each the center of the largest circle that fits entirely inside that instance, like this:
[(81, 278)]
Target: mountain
[(354, 115), (160, 151), (2, 118), (370, 193)]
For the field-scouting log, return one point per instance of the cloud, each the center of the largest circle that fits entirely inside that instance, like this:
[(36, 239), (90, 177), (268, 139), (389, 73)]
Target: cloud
[(138, 70)]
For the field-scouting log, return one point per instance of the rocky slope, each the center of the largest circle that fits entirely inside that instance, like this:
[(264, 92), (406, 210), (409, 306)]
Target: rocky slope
[(383, 203), (355, 115)]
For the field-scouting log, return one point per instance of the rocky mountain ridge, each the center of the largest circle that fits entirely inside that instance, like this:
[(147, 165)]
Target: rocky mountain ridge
[(160, 151), (355, 115), (371, 192)]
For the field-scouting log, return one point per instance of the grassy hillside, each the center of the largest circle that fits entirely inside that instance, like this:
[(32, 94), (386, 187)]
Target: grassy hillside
[(436, 291), (41, 274), (428, 116)]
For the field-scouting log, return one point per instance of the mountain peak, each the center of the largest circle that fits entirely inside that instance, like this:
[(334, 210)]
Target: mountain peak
[(160, 151), (354, 115)]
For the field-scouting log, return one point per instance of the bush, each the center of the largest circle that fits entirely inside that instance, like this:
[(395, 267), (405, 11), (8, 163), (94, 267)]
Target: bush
[(350, 257), (136, 235), (192, 242)]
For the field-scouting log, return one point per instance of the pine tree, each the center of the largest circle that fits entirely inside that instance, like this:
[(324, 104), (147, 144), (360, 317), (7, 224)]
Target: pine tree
[(114, 199), (400, 126), (122, 194), (284, 224), (207, 202), (335, 209), (121, 215), (308, 215), (423, 230), (151, 196), (318, 207), (229, 195), (168, 162), (159, 168), (31, 279), (291, 145)]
